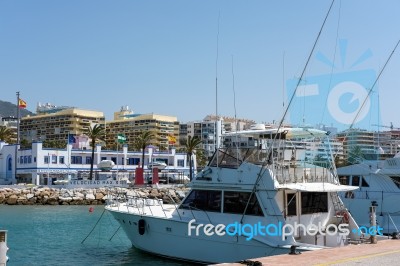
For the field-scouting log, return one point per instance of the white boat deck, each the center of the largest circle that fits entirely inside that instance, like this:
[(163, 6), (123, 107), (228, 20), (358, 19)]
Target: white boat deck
[(147, 207)]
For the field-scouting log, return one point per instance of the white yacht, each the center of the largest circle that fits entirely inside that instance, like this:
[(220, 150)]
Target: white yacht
[(157, 164), (377, 181), (245, 204)]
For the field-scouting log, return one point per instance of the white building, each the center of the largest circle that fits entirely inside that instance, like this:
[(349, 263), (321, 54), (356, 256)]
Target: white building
[(42, 166)]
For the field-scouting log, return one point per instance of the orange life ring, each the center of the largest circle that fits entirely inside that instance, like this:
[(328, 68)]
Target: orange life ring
[(346, 217)]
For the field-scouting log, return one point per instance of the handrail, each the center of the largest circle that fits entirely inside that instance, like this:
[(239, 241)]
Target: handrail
[(196, 209), (390, 217)]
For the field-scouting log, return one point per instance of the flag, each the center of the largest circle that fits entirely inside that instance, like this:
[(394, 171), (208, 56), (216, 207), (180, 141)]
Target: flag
[(71, 139), (121, 138), (21, 103), (171, 139)]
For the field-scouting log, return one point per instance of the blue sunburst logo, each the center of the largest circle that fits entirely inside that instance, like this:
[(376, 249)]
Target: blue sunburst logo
[(339, 98)]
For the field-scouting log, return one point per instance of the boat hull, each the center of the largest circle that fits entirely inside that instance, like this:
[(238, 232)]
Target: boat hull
[(169, 238)]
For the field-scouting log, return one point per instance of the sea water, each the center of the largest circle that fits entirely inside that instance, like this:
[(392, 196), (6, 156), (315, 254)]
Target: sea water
[(69, 235)]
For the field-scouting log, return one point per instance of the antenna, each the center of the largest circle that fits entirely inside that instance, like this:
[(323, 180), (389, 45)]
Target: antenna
[(283, 81), (216, 141), (236, 121), (269, 151)]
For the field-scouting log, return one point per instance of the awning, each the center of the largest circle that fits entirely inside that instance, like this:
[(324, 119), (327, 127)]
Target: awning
[(316, 187)]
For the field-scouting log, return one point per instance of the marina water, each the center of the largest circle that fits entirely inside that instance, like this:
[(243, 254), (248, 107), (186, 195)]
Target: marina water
[(52, 235)]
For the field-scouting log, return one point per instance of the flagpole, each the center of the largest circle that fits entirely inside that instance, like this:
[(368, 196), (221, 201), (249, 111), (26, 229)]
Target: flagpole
[(17, 143)]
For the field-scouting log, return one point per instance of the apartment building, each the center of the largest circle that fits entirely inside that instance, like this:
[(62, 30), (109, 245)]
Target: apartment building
[(56, 123), (211, 128), (165, 128)]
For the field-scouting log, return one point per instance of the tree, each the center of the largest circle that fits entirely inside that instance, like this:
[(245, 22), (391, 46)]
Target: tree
[(25, 144), (5, 134), (192, 144), (56, 144), (141, 142), (96, 134), (355, 155), (201, 158)]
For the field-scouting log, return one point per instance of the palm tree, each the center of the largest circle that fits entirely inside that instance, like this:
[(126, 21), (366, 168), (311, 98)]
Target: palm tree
[(141, 142), (355, 155), (5, 134), (95, 133), (192, 144)]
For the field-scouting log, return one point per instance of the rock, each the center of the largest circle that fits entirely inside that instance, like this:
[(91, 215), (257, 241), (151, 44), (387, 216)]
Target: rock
[(99, 196), (180, 194), (29, 196), (12, 200), (79, 195), (90, 196)]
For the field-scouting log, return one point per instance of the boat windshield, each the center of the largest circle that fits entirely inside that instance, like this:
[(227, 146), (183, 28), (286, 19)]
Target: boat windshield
[(233, 158)]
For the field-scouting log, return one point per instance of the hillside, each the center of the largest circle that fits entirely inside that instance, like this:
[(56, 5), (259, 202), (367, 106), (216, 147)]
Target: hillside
[(10, 109)]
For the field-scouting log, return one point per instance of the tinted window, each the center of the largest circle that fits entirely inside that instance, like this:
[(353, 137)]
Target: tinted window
[(364, 183), (206, 200), (312, 202), (235, 202), (291, 204), (344, 180), (355, 181)]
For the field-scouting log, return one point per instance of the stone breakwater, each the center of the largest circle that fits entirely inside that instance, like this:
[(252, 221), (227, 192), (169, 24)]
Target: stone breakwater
[(81, 196)]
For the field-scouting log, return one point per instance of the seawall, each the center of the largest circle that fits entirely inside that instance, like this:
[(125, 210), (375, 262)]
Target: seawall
[(82, 196)]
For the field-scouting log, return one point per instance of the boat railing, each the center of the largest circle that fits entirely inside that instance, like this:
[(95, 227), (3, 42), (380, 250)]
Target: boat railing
[(394, 224), (292, 170), (302, 172), (118, 197), (191, 208)]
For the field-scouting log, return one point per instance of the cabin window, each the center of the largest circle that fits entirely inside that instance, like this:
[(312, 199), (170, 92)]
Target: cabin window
[(312, 202), (291, 204), (364, 182), (61, 159), (88, 159), (114, 159), (396, 180), (344, 180), (235, 202), (205, 200), (355, 180)]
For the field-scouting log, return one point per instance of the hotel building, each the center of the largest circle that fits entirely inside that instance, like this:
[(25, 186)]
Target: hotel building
[(55, 123), (126, 122)]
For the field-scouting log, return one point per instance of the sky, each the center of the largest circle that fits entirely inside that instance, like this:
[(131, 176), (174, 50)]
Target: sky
[(173, 57)]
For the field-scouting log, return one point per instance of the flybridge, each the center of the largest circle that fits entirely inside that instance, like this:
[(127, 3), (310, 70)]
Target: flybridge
[(286, 132)]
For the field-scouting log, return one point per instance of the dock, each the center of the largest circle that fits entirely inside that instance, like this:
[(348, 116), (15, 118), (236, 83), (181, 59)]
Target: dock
[(385, 252)]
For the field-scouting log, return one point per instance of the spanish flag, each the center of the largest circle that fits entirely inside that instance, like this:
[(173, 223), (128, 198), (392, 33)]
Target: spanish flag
[(171, 139), (21, 103)]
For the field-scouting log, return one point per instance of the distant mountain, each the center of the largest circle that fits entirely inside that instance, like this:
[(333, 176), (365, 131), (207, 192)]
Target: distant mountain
[(10, 109)]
